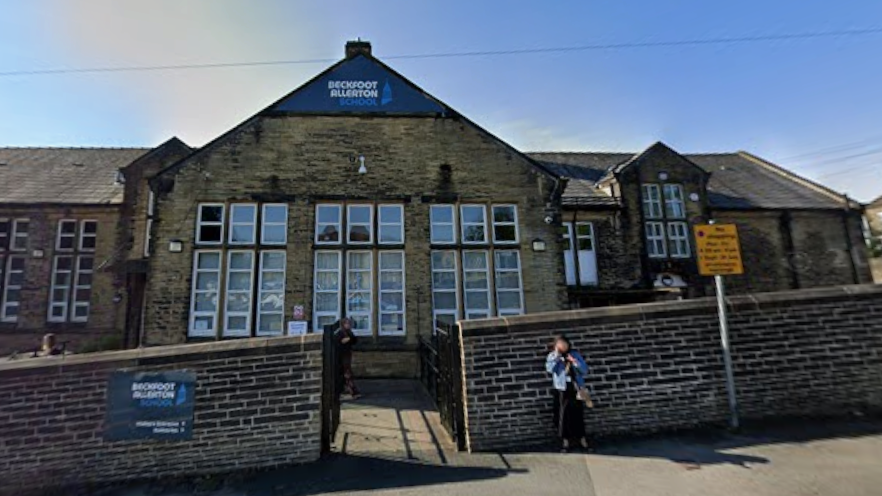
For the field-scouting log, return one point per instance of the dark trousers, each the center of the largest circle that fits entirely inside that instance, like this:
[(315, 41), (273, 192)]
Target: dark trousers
[(348, 380), (569, 414)]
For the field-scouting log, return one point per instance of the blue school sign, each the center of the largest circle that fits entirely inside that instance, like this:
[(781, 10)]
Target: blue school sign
[(359, 85), (150, 405)]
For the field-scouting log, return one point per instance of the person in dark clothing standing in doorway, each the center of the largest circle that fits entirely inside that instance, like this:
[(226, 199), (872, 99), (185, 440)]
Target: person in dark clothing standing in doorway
[(345, 340), (568, 370)]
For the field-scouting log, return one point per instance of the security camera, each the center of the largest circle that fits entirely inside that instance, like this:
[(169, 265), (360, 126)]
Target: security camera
[(549, 219)]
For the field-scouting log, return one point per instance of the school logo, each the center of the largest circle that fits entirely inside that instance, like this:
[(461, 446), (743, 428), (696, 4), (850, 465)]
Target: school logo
[(360, 93)]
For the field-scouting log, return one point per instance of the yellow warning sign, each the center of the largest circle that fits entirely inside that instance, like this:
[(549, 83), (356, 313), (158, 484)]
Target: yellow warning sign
[(719, 252)]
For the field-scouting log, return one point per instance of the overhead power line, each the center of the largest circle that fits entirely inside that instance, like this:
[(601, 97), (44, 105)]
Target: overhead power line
[(485, 53)]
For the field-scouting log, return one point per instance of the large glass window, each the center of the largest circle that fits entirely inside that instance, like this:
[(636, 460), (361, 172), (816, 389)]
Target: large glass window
[(13, 280), (82, 289), (206, 293), (359, 222), (675, 208), (505, 224), (473, 219), (655, 239), (663, 237), (445, 286), (243, 223), (328, 220), (390, 224), (66, 237), (210, 224), (271, 295), (88, 235), (274, 224), (20, 229), (392, 286), (651, 201), (509, 294), (476, 284), (678, 239), (326, 290), (443, 224), (358, 291), (240, 285)]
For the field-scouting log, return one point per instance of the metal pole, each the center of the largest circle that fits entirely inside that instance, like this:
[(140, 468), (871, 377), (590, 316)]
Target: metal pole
[(727, 357)]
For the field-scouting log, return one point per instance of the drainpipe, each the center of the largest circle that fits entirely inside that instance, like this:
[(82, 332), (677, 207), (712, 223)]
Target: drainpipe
[(848, 244)]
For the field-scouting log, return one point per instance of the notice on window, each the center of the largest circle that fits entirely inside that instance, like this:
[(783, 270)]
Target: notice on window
[(719, 251), (297, 328), (150, 405)]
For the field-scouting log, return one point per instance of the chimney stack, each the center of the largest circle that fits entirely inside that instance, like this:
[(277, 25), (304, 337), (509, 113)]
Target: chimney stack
[(357, 47)]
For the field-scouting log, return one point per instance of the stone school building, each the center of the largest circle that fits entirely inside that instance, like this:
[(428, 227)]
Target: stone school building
[(360, 195)]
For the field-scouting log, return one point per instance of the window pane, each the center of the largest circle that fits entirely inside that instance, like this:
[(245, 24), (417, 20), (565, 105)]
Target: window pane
[(360, 214), (68, 227), (90, 227), (359, 260), (391, 281), (390, 234), (237, 323), (505, 233), (274, 234), (476, 280), (473, 234), (508, 280), (207, 280), (328, 234), (359, 302), (326, 302), (442, 233), (240, 260), (64, 263), (275, 214), (329, 214), (391, 301), (359, 281), (242, 234), (273, 260), (212, 213), (243, 213), (271, 303), (391, 323), (390, 261), (271, 324), (444, 260), (474, 260), (503, 214), (390, 214), (239, 281), (442, 213), (445, 301), (359, 234), (206, 302), (506, 260), (444, 280), (209, 260), (88, 243), (586, 244), (272, 281), (473, 214), (327, 281), (477, 299), (508, 299), (210, 234)]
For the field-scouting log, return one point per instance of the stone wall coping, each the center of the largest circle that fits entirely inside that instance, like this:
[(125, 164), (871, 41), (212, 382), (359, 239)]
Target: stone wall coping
[(159, 351), (646, 311)]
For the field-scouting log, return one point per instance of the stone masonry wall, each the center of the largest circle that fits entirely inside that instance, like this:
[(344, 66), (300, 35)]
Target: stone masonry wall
[(257, 405), (659, 366)]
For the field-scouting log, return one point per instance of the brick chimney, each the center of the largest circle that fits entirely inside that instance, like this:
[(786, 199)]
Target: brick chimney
[(354, 48)]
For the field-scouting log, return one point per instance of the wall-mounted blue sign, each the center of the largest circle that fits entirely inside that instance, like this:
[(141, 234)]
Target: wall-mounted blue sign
[(150, 405), (359, 85)]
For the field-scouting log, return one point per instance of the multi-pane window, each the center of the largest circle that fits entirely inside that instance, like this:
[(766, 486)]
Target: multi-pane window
[(652, 208), (19, 241), (4, 234), (206, 293), (243, 223), (148, 229), (476, 284), (274, 228), (359, 290), (509, 293), (359, 224), (326, 293), (505, 224), (473, 219), (443, 224), (580, 257), (655, 239), (210, 224), (328, 222), (271, 293), (390, 224), (678, 239), (238, 289), (445, 294), (391, 278), (675, 207), (70, 289), (13, 279)]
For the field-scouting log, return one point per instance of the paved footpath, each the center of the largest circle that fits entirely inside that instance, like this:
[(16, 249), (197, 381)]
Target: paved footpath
[(390, 442)]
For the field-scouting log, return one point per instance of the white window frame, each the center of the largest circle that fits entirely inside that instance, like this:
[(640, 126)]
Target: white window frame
[(380, 292), (674, 200), (381, 223), (514, 223), (652, 201), (369, 224), (677, 240), (339, 224), (5, 304), (455, 290), (519, 290), (16, 233), (463, 224), (370, 291), (151, 203), (75, 283), (148, 237), (191, 328), (60, 234), (261, 292), (433, 223), (200, 223), (248, 314), (466, 311), (84, 235), (252, 223), (315, 290), (264, 224), (658, 235), (63, 303), (5, 234)]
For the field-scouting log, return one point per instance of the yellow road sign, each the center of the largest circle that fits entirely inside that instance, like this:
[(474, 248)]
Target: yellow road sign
[(719, 252)]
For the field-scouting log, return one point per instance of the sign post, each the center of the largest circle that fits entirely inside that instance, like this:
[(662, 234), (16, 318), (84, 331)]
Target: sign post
[(719, 254)]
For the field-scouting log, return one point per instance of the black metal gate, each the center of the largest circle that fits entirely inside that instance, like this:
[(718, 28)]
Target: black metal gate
[(441, 375), (332, 385)]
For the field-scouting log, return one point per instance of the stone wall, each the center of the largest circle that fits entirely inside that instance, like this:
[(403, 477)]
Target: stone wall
[(257, 405), (659, 366)]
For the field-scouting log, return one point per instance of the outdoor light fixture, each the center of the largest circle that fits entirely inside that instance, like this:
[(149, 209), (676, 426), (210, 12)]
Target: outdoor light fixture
[(538, 245), (361, 169), (175, 246)]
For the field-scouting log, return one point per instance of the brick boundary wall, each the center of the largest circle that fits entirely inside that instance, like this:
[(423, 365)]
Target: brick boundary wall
[(257, 405), (659, 366)]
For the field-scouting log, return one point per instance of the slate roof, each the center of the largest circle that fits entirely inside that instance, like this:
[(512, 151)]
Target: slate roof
[(64, 175), (737, 181)]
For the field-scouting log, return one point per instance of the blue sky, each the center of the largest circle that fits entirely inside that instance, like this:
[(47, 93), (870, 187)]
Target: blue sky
[(812, 105)]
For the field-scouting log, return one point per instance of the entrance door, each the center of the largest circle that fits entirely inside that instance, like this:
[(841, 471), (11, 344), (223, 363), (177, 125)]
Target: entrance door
[(580, 254)]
